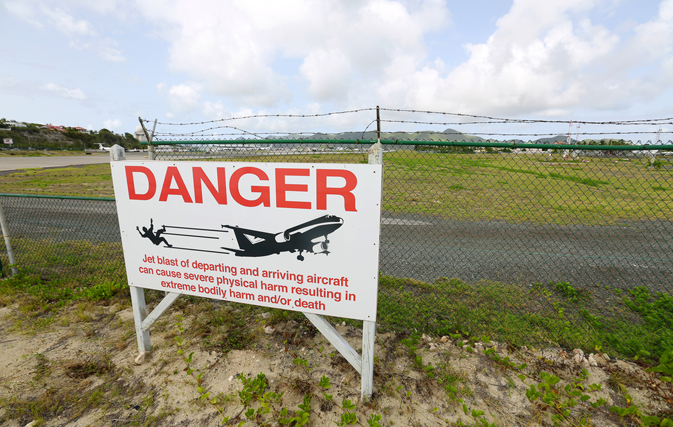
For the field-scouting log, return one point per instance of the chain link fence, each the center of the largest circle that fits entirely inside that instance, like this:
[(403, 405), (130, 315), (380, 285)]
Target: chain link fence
[(75, 239), (536, 244)]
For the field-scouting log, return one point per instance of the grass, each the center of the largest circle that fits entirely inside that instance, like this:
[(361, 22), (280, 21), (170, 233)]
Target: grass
[(525, 188), (87, 181), (61, 274), (81, 274), (549, 315), (460, 186), (43, 399)]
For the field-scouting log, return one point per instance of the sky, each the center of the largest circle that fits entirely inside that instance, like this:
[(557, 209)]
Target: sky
[(104, 63)]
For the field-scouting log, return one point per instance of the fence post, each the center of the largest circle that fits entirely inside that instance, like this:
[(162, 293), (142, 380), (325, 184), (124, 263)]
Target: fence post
[(5, 234), (368, 326), (150, 147)]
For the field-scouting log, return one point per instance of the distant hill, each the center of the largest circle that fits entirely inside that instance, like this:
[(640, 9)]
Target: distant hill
[(37, 136), (454, 135), (553, 139), (446, 135)]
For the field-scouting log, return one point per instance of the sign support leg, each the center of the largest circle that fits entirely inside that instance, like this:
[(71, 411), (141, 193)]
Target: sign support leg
[(336, 340), (139, 314), (368, 340)]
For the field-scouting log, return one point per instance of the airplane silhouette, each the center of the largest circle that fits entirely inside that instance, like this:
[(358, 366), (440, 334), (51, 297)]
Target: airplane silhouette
[(253, 243)]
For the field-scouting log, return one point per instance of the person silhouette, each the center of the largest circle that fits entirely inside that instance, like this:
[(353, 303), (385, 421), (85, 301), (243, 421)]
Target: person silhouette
[(155, 237)]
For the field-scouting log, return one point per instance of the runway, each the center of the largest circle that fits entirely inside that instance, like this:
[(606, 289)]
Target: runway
[(15, 163)]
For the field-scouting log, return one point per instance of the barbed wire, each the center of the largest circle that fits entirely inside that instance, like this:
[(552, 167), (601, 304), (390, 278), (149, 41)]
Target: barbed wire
[(394, 134), (507, 122), (365, 131), (400, 141), (244, 132), (482, 120), (255, 116), (544, 134), (235, 134), (667, 120)]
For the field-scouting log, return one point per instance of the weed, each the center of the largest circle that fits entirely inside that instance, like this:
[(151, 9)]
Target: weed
[(42, 367), (94, 366)]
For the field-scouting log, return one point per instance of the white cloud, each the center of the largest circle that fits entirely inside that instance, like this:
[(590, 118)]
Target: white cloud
[(81, 33), (25, 11), (63, 92), (543, 58), (107, 52), (231, 49), (66, 23), (112, 124), (105, 48), (328, 73), (653, 41), (182, 98)]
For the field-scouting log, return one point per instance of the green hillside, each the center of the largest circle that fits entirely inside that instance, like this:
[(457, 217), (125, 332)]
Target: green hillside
[(38, 137)]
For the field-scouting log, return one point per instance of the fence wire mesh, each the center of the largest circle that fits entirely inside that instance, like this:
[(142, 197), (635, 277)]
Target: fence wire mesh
[(70, 239), (574, 243), (539, 247)]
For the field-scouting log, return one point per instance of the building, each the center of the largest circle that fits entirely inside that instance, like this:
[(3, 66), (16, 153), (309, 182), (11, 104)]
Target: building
[(139, 134)]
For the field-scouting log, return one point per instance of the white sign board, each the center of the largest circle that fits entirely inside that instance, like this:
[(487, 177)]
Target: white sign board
[(8, 141), (292, 236)]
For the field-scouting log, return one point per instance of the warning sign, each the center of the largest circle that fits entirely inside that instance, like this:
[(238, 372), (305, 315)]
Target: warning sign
[(301, 237)]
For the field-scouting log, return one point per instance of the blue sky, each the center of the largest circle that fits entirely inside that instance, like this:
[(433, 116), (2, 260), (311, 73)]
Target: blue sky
[(103, 63)]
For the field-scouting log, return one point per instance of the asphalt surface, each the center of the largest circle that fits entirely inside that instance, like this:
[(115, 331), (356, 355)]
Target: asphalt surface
[(640, 254), (14, 163), (425, 247)]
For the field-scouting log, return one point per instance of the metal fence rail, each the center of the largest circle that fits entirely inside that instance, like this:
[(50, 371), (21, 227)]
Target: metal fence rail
[(471, 235)]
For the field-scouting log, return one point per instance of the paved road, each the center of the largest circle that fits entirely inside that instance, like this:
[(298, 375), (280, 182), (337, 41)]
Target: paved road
[(11, 163), (426, 248), (640, 254)]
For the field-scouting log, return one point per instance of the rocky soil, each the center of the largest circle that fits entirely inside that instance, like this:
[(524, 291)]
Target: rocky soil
[(80, 369)]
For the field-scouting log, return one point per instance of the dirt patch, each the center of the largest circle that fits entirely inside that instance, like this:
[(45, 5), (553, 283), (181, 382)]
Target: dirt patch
[(274, 366)]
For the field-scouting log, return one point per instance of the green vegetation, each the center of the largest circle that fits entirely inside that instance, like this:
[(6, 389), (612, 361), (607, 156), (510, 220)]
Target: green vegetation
[(95, 272), (34, 136), (5, 153), (514, 187), (526, 188), (86, 181), (555, 314), (627, 323)]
